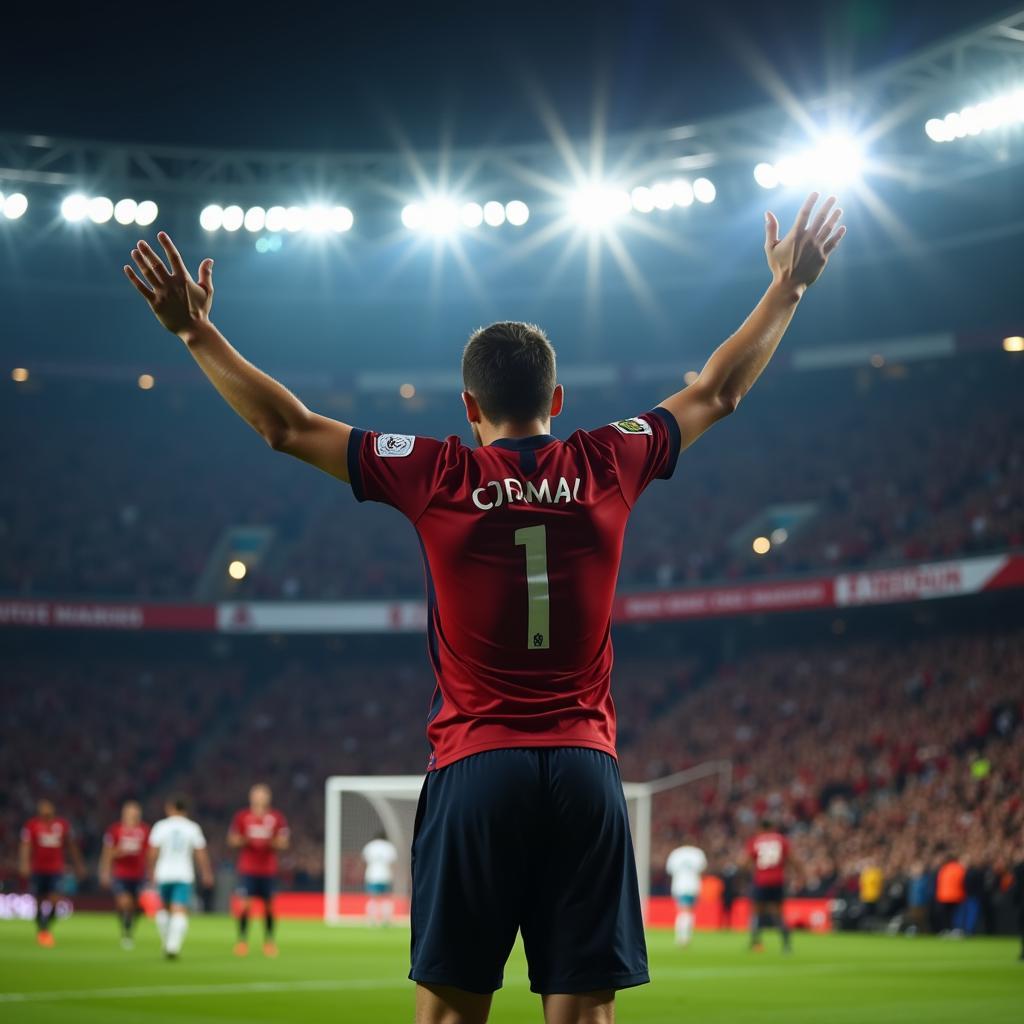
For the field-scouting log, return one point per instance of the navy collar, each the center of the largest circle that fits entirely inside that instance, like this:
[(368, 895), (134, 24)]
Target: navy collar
[(520, 444)]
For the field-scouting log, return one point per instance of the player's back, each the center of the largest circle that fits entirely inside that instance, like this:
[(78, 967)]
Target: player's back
[(176, 838), (685, 865), (769, 852), (523, 540)]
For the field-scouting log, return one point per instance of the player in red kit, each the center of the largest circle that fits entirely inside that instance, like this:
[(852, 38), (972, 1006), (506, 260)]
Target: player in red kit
[(768, 855), (260, 832), (521, 824), (123, 866), (44, 841)]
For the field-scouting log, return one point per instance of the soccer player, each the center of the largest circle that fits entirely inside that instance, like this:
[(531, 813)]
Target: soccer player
[(379, 856), (260, 832), (44, 841), (123, 866), (768, 854), (686, 865), (174, 843), (522, 822)]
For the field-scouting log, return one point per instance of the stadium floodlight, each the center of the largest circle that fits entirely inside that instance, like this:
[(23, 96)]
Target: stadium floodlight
[(101, 209), (517, 213), (1015, 343), (340, 219), (75, 207), (146, 381), (413, 216), (761, 545), (19, 375), (276, 217), (317, 219), (211, 218), (661, 196), (704, 190), (598, 205), (441, 216), (233, 218), (255, 218), (125, 210), (682, 192), (766, 175), (641, 199), (237, 569), (14, 205), (296, 218), (146, 213), (472, 215), (998, 112), (494, 214)]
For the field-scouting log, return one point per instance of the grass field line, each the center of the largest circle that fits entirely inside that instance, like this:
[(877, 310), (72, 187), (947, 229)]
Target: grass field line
[(225, 989)]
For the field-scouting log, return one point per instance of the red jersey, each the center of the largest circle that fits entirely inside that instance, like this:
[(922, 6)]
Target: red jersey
[(129, 845), (769, 852), (46, 838), (522, 541), (258, 857)]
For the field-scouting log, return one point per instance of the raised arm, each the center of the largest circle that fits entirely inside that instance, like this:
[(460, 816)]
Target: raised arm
[(183, 305), (796, 261)]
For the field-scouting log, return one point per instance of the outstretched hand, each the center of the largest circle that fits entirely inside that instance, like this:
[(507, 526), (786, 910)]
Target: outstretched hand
[(800, 257), (177, 301)]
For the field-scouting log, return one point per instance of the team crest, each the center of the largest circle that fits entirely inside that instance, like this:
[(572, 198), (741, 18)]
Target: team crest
[(394, 446), (633, 427)]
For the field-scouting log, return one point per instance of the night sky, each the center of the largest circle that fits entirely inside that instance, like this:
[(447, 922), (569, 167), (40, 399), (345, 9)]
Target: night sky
[(361, 76)]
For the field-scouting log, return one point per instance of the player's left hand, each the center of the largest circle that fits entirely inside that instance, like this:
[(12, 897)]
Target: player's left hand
[(800, 257), (177, 301)]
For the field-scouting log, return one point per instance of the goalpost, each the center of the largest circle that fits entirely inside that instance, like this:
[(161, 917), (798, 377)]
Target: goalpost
[(360, 807)]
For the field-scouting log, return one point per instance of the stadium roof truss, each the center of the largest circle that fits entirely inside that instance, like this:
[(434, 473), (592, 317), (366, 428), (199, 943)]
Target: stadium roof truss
[(909, 90)]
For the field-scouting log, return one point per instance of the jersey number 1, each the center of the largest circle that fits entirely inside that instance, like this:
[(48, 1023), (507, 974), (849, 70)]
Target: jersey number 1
[(535, 540)]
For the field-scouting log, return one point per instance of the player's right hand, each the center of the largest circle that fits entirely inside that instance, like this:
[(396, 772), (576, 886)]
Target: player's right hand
[(177, 301), (800, 257)]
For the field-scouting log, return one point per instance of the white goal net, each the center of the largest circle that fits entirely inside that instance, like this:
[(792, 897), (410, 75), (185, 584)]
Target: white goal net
[(362, 807)]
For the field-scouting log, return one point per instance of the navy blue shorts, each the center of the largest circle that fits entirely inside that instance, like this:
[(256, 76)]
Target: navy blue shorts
[(257, 886), (535, 840), (128, 885), (768, 894), (46, 884)]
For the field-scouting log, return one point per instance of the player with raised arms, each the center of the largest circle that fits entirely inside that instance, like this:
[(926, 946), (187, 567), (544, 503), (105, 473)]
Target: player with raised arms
[(768, 854), (44, 840), (176, 846), (260, 832), (123, 866), (522, 823)]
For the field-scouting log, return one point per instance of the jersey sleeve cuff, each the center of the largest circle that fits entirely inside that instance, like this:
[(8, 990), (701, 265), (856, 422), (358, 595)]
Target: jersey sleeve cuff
[(674, 440), (355, 471)]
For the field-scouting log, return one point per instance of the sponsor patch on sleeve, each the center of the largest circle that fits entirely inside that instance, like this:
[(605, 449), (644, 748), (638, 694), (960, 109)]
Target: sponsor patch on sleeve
[(634, 426), (394, 446)]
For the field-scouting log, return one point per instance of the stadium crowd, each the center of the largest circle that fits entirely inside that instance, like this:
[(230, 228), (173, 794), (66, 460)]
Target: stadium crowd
[(883, 761), (106, 516)]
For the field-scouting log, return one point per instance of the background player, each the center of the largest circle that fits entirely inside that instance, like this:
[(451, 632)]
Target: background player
[(379, 856), (44, 840), (522, 537), (174, 842), (768, 855), (123, 865), (686, 865), (260, 832)]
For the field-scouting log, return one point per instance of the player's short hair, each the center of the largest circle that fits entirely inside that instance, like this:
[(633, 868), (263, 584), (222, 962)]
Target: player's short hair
[(509, 368), (178, 801)]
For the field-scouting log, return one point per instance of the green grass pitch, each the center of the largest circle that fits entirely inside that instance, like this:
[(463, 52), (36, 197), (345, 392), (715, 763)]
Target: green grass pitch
[(355, 974)]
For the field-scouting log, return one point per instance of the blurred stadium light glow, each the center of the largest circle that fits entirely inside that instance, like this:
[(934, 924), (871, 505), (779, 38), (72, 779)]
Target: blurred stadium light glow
[(517, 213), (276, 217), (1014, 343), (125, 210), (472, 215), (74, 207), (641, 199), (834, 160), (761, 545), (597, 205), (413, 216), (146, 381), (211, 218), (441, 216), (14, 205), (19, 375), (237, 570), (407, 390), (999, 112), (232, 218), (664, 195), (145, 213), (101, 209), (255, 218), (704, 190), (340, 219), (494, 214)]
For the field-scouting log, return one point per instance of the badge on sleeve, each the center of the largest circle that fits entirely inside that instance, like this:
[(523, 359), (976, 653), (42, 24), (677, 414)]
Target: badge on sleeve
[(633, 427), (394, 446)]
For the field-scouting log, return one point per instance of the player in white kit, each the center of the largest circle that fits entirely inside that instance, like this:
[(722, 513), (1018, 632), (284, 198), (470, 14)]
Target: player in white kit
[(175, 842), (686, 865), (379, 855)]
